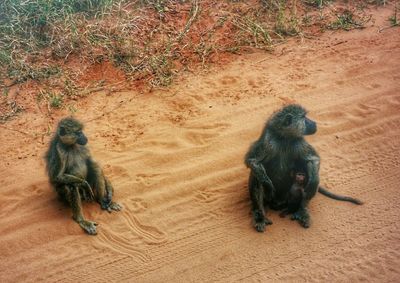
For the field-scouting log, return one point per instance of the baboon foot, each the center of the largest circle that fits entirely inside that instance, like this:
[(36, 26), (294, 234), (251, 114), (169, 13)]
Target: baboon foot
[(260, 225), (302, 217), (111, 206), (260, 221), (88, 226)]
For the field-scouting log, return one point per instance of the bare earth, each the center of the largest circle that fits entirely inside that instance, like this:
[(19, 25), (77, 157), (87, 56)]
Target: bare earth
[(175, 158)]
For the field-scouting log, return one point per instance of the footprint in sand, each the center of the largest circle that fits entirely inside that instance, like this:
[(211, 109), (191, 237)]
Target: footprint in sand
[(204, 134), (147, 179), (137, 205), (115, 171), (228, 80)]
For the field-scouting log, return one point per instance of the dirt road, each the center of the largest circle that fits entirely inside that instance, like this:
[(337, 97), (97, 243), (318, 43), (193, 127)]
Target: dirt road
[(175, 158)]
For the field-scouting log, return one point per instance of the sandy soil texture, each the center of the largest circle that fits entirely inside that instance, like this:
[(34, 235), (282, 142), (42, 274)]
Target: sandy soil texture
[(175, 158)]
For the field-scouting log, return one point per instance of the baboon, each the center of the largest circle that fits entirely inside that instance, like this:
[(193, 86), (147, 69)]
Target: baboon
[(296, 193), (280, 148), (75, 176)]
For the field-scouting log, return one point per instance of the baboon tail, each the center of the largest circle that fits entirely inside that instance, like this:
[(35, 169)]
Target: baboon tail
[(329, 194)]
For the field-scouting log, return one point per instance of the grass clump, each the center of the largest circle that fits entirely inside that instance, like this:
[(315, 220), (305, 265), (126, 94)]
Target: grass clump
[(347, 20), (29, 29), (316, 3), (286, 23), (52, 98), (394, 20)]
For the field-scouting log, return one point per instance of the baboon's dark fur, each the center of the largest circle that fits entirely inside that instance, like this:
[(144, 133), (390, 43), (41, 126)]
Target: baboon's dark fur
[(75, 175), (280, 149)]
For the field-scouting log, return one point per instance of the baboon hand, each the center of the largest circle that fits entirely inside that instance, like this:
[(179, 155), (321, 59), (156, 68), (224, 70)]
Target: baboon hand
[(88, 226)]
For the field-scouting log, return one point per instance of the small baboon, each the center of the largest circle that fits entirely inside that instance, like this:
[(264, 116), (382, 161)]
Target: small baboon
[(280, 148), (296, 193), (75, 176)]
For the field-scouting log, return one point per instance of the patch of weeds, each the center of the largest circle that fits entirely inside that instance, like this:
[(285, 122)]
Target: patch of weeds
[(377, 2), (286, 25), (9, 109), (161, 70), (72, 109), (307, 20), (346, 21), (54, 100), (394, 20), (233, 49), (6, 91), (204, 51), (32, 29), (22, 72), (5, 57), (70, 88), (159, 5), (316, 3), (272, 5), (259, 34)]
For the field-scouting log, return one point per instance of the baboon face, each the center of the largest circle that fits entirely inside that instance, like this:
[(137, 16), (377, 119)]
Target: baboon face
[(292, 122), (300, 177), (70, 132)]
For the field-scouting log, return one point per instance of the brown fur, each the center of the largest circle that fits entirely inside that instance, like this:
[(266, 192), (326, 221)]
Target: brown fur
[(75, 176)]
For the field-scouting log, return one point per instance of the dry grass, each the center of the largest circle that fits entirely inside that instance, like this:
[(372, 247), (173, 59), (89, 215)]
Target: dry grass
[(149, 40), (144, 38)]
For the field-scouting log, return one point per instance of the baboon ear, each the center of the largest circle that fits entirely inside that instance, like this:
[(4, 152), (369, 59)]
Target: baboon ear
[(62, 131), (288, 119)]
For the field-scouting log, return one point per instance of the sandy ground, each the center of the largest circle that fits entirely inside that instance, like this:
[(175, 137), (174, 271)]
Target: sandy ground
[(175, 158)]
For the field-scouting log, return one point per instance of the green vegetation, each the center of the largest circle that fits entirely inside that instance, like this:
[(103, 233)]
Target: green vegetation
[(347, 20), (286, 25), (53, 99), (394, 20), (317, 3), (34, 32)]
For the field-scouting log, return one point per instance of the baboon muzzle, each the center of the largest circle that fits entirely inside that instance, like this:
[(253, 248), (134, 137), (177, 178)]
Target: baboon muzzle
[(82, 139), (311, 127)]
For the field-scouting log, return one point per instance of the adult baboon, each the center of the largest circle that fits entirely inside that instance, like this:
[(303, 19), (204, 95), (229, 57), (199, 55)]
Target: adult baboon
[(280, 148), (75, 175), (296, 193)]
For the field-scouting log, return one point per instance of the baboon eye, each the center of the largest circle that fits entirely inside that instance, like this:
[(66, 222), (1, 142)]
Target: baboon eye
[(62, 131), (288, 120)]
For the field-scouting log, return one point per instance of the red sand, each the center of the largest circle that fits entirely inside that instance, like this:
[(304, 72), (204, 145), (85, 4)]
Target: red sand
[(175, 158)]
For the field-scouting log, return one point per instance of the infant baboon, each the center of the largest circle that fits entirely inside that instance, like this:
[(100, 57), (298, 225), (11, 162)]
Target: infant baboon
[(75, 175), (296, 194), (280, 148)]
